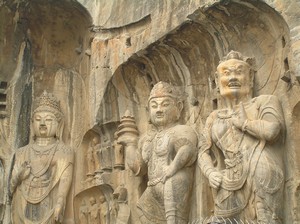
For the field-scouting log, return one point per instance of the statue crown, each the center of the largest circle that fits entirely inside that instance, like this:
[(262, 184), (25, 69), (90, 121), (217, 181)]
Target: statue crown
[(238, 56), (47, 100), (162, 89)]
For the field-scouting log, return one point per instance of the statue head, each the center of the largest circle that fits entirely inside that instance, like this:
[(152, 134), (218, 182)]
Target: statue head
[(47, 119), (165, 104), (92, 200), (95, 141), (102, 199), (235, 76)]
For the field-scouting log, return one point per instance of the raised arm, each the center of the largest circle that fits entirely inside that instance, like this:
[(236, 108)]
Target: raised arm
[(269, 123)]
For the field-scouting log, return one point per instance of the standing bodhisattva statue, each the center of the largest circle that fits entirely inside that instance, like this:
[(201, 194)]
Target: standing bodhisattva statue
[(167, 151), (42, 171), (241, 148)]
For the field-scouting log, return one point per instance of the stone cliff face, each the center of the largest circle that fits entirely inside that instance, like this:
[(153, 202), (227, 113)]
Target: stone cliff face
[(101, 58)]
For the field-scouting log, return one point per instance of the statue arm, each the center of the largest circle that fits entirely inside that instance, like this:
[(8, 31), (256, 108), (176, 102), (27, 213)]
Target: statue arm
[(63, 189), (205, 160), (134, 159), (205, 163), (269, 122), (19, 173), (263, 129), (186, 152)]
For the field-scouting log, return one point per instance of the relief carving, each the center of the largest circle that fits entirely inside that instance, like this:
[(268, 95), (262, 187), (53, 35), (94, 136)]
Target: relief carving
[(166, 152), (42, 170), (83, 213), (93, 160), (94, 215), (241, 148)]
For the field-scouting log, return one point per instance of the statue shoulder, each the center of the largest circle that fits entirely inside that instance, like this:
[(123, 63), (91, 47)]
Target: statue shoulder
[(65, 149), (186, 132), (22, 150), (263, 99), (183, 128)]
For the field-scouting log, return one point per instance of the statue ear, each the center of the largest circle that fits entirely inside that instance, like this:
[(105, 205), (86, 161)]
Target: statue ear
[(216, 82), (180, 106), (60, 129)]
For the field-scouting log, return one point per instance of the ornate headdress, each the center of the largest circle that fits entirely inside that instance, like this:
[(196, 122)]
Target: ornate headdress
[(162, 89), (48, 102), (237, 55)]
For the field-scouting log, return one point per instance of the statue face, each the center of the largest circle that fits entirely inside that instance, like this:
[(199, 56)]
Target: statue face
[(234, 78), (45, 124), (163, 111)]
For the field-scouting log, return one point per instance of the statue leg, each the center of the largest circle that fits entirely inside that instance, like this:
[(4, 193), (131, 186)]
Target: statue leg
[(177, 192)]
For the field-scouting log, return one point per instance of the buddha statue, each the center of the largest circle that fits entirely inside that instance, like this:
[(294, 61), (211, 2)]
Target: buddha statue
[(42, 171)]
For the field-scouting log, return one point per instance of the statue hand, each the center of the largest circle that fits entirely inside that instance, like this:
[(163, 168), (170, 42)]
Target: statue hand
[(240, 119), (127, 139), (59, 210), (215, 179), (24, 171), (168, 173)]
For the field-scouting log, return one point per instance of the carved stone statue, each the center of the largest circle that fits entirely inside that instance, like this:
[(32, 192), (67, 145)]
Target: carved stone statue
[(93, 211), (83, 213), (240, 151), (42, 171), (114, 209), (93, 162), (168, 151), (119, 162), (90, 160), (105, 155), (104, 210)]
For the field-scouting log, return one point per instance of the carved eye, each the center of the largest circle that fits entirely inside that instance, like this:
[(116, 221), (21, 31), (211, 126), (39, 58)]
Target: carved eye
[(226, 72), (239, 71), (153, 106), (166, 104)]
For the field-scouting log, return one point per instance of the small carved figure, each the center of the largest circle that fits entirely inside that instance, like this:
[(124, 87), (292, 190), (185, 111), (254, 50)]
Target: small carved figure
[(42, 171), (90, 160), (240, 151), (119, 154), (105, 155), (104, 209), (168, 151), (114, 209), (93, 211), (95, 145), (83, 213)]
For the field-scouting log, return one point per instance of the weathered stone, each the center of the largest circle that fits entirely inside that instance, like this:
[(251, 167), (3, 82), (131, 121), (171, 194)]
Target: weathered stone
[(102, 58)]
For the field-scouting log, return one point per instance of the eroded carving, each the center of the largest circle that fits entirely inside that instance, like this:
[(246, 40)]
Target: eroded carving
[(168, 152), (93, 160), (83, 213), (105, 155), (241, 147), (94, 215), (119, 162), (104, 209), (42, 171)]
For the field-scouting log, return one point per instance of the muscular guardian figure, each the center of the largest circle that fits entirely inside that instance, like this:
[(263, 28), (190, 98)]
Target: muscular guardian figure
[(167, 153)]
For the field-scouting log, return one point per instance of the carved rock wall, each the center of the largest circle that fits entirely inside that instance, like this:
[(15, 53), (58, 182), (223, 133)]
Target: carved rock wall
[(101, 58)]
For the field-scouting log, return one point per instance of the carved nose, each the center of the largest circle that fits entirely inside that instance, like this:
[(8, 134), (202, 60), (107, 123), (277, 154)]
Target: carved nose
[(159, 109), (232, 77)]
